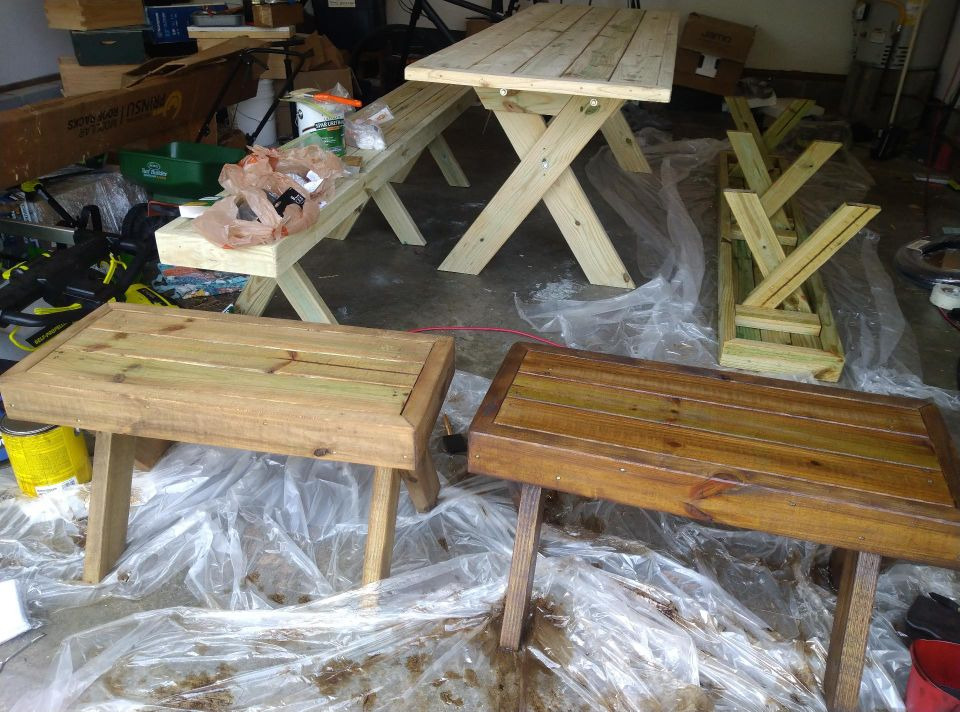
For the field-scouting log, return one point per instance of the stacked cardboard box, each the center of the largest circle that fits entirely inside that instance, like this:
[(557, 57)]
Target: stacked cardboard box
[(92, 14)]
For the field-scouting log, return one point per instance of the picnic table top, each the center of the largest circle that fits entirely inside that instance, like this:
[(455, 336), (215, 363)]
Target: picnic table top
[(861, 471), (579, 50)]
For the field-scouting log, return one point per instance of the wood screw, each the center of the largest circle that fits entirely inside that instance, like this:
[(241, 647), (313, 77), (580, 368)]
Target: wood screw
[(503, 92), (594, 102)]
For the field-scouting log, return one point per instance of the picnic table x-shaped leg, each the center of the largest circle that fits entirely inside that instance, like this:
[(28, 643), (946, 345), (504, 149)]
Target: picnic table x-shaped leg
[(546, 152)]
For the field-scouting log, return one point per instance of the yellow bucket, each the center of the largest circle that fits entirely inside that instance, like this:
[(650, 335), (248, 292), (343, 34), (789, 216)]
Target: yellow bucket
[(45, 458)]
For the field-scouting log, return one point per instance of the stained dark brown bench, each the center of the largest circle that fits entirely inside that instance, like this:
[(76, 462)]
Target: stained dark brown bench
[(873, 475)]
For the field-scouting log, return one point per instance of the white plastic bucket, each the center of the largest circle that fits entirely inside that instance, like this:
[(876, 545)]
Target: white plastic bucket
[(250, 113)]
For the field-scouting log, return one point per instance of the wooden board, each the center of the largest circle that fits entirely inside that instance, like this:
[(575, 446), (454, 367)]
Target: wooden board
[(77, 80), (800, 338), (92, 14), (565, 49), (348, 394), (421, 112), (833, 466)]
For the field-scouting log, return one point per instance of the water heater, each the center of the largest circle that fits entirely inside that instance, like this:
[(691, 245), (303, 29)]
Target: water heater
[(883, 30)]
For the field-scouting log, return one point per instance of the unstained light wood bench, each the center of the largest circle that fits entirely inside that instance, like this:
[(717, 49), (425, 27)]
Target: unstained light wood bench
[(421, 113), (873, 475), (348, 394)]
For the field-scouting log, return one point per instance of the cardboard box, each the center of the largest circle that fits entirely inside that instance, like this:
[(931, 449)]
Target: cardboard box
[(169, 23), (92, 14), (49, 135), (77, 80), (325, 56), (321, 79), (712, 53), (118, 45), (277, 15), (476, 24)]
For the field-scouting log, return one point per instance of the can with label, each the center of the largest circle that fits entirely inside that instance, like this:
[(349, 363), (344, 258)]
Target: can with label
[(328, 125), (45, 458)]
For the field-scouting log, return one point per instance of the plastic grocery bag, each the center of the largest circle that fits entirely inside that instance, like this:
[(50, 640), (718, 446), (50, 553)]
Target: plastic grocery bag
[(270, 194)]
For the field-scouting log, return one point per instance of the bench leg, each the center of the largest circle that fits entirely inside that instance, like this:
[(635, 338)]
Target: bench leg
[(623, 144), (448, 163), (397, 216), (423, 485), (401, 175), (382, 524), (522, 566), (851, 626), (341, 231), (109, 504), (303, 296), (256, 295)]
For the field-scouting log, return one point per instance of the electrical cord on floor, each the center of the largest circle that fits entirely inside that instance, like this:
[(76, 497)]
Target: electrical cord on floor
[(497, 329)]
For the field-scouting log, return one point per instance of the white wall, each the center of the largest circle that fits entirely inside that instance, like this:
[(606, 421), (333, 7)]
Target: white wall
[(799, 35), (28, 48)]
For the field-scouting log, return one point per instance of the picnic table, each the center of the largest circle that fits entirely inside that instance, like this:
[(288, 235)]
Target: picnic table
[(578, 64)]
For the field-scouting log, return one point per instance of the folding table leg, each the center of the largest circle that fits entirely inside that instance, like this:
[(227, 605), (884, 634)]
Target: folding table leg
[(382, 524), (851, 628), (423, 485), (522, 567), (623, 144), (303, 296), (109, 504), (256, 295), (548, 157)]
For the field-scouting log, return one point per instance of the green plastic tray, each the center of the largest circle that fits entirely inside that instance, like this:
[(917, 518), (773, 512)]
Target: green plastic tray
[(180, 169)]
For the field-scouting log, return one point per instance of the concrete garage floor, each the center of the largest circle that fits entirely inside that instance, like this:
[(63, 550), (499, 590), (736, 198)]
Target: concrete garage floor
[(372, 280)]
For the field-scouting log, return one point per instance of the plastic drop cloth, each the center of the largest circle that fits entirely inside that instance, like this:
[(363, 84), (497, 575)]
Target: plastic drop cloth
[(632, 610), (672, 316)]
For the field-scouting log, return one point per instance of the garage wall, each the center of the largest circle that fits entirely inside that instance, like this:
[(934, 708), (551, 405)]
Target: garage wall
[(30, 48), (805, 35)]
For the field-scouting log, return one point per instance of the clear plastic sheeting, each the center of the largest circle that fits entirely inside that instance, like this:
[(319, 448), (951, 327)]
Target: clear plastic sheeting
[(106, 189), (631, 610), (672, 316)]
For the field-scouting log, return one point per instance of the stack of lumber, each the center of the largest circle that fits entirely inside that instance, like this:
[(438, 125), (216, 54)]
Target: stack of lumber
[(774, 315), (93, 14), (87, 16)]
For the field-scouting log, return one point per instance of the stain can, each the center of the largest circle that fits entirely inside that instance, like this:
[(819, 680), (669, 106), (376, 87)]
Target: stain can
[(45, 458)]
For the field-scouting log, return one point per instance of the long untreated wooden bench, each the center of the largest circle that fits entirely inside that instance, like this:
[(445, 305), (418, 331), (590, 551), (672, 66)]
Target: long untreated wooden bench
[(355, 395), (873, 475), (421, 113)]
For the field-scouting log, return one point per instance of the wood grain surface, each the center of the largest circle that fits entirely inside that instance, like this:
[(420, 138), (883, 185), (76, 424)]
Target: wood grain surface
[(565, 49), (357, 395), (861, 471)]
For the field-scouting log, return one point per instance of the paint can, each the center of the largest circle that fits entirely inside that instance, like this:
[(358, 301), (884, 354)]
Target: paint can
[(324, 119), (45, 458)]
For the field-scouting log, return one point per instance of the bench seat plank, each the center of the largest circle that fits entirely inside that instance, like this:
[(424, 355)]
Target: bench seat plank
[(336, 392), (726, 449), (422, 112)]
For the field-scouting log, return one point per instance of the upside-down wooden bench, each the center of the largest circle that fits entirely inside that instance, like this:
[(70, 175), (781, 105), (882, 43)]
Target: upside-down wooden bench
[(873, 475), (421, 113), (363, 396)]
